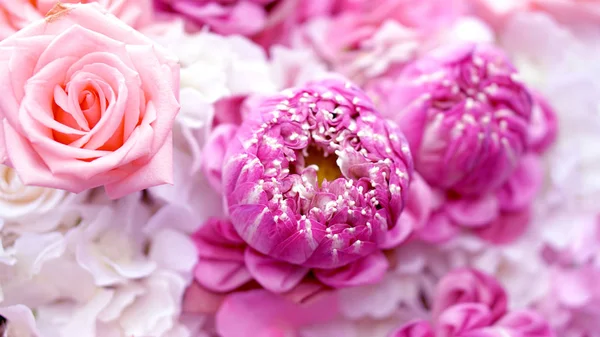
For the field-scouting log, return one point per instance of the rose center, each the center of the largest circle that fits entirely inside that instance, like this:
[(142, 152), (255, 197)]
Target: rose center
[(328, 168)]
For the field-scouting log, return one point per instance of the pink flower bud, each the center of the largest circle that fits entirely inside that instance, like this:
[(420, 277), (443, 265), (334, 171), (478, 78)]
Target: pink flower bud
[(466, 116)]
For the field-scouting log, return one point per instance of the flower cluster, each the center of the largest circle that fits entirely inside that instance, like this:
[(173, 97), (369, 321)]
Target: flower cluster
[(227, 168)]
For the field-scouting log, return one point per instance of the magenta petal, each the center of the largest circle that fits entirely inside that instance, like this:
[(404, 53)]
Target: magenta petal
[(414, 329), (199, 300), (438, 229), (276, 276), (260, 313), (368, 270), (526, 323), (506, 228), (309, 290), (470, 286), (473, 212), (259, 221), (544, 125), (220, 265), (521, 188), (461, 318), (213, 154), (221, 276), (417, 212)]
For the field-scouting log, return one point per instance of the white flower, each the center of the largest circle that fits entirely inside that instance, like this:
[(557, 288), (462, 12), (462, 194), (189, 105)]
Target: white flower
[(147, 307), (110, 244), (190, 198), (38, 272), (19, 322), (30, 208), (291, 67)]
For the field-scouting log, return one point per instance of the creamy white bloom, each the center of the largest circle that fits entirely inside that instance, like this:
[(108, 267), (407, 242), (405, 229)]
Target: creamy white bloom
[(148, 307), (38, 272), (30, 208), (110, 244), (20, 321)]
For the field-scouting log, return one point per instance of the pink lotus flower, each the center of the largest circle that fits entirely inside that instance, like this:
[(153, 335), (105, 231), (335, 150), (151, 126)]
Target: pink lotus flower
[(316, 177), (474, 134), (469, 303), (315, 183)]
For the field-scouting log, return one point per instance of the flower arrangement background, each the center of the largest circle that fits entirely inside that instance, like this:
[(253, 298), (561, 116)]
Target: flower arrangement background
[(307, 168)]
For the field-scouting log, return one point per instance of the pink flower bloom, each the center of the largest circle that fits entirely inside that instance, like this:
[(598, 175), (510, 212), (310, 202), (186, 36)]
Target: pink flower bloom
[(321, 166), (470, 286), (469, 303), (465, 117), (469, 124), (245, 17), (16, 14), (91, 103)]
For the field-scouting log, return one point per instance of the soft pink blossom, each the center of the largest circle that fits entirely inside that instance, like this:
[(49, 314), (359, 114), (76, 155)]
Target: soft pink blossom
[(113, 98), (470, 286), (17, 14), (469, 303)]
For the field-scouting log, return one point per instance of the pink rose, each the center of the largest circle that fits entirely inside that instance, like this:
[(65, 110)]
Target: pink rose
[(88, 102), (17, 14)]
